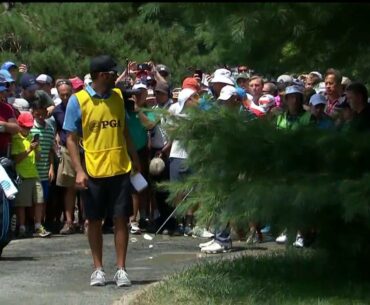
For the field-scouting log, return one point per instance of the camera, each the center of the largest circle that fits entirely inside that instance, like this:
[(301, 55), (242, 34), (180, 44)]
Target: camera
[(199, 73), (143, 67)]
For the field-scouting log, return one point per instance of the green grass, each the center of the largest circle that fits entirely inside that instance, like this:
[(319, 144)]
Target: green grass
[(293, 278)]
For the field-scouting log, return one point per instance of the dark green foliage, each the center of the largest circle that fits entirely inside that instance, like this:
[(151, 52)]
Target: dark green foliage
[(272, 38), (306, 179)]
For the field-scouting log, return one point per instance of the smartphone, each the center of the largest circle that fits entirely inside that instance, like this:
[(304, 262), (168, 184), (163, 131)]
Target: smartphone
[(199, 72), (36, 138)]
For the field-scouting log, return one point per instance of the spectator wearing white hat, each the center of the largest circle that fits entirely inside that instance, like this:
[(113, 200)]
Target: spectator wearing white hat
[(345, 82), (265, 103), (285, 79), (313, 80), (30, 92), (220, 79), (229, 97), (45, 83), (188, 98)]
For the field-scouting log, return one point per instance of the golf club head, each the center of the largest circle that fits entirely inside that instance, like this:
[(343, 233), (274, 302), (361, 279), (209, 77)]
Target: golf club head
[(148, 237)]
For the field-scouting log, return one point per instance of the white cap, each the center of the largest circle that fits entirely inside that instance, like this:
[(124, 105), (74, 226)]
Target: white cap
[(321, 88), (285, 79), (293, 89), (318, 74), (345, 80), (222, 76), (87, 79), (227, 92), (317, 99), (54, 92), (223, 72), (184, 95), (21, 104), (267, 101), (44, 79)]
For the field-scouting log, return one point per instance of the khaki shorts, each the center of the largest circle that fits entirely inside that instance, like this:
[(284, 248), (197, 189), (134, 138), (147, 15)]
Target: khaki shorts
[(66, 176), (29, 192)]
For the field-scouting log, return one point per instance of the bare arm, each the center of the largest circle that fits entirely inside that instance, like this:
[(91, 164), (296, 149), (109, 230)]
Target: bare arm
[(132, 152), (20, 157), (51, 162), (72, 145), (124, 74), (158, 78), (11, 126), (148, 124), (50, 110)]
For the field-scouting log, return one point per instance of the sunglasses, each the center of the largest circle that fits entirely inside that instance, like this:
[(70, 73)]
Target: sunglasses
[(63, 82), (112, 73)]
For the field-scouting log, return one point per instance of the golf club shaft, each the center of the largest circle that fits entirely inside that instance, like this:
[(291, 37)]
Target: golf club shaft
[(173, 212)]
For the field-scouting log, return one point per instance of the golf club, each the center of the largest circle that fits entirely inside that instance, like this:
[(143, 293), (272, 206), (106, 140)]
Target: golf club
[(148, 236)]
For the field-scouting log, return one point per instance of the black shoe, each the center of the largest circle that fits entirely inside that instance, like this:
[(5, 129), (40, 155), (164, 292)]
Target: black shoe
[(144, 223)]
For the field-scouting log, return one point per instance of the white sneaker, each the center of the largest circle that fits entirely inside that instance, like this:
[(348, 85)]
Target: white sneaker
[(299, 242), (206, 244), (202, 233), (135, 229), (216, 247), (282, 238), (97, 278), (207, 234), (121, 278)]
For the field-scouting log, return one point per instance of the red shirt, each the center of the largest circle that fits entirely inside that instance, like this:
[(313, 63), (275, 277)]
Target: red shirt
[(6, 113)]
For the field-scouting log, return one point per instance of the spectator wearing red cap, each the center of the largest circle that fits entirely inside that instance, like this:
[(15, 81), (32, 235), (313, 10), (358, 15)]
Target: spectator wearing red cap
[(25, 152), (77, 84), (191, 83)]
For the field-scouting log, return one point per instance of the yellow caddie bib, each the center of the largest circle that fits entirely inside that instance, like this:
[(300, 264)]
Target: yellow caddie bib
[(103, 123)]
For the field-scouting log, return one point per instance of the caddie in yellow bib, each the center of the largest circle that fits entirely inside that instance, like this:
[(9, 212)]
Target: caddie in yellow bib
[(102, 134), (95, 120)]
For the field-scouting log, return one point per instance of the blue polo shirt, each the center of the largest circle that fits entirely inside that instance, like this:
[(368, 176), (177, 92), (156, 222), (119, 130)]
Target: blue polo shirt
[(72, 120)]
